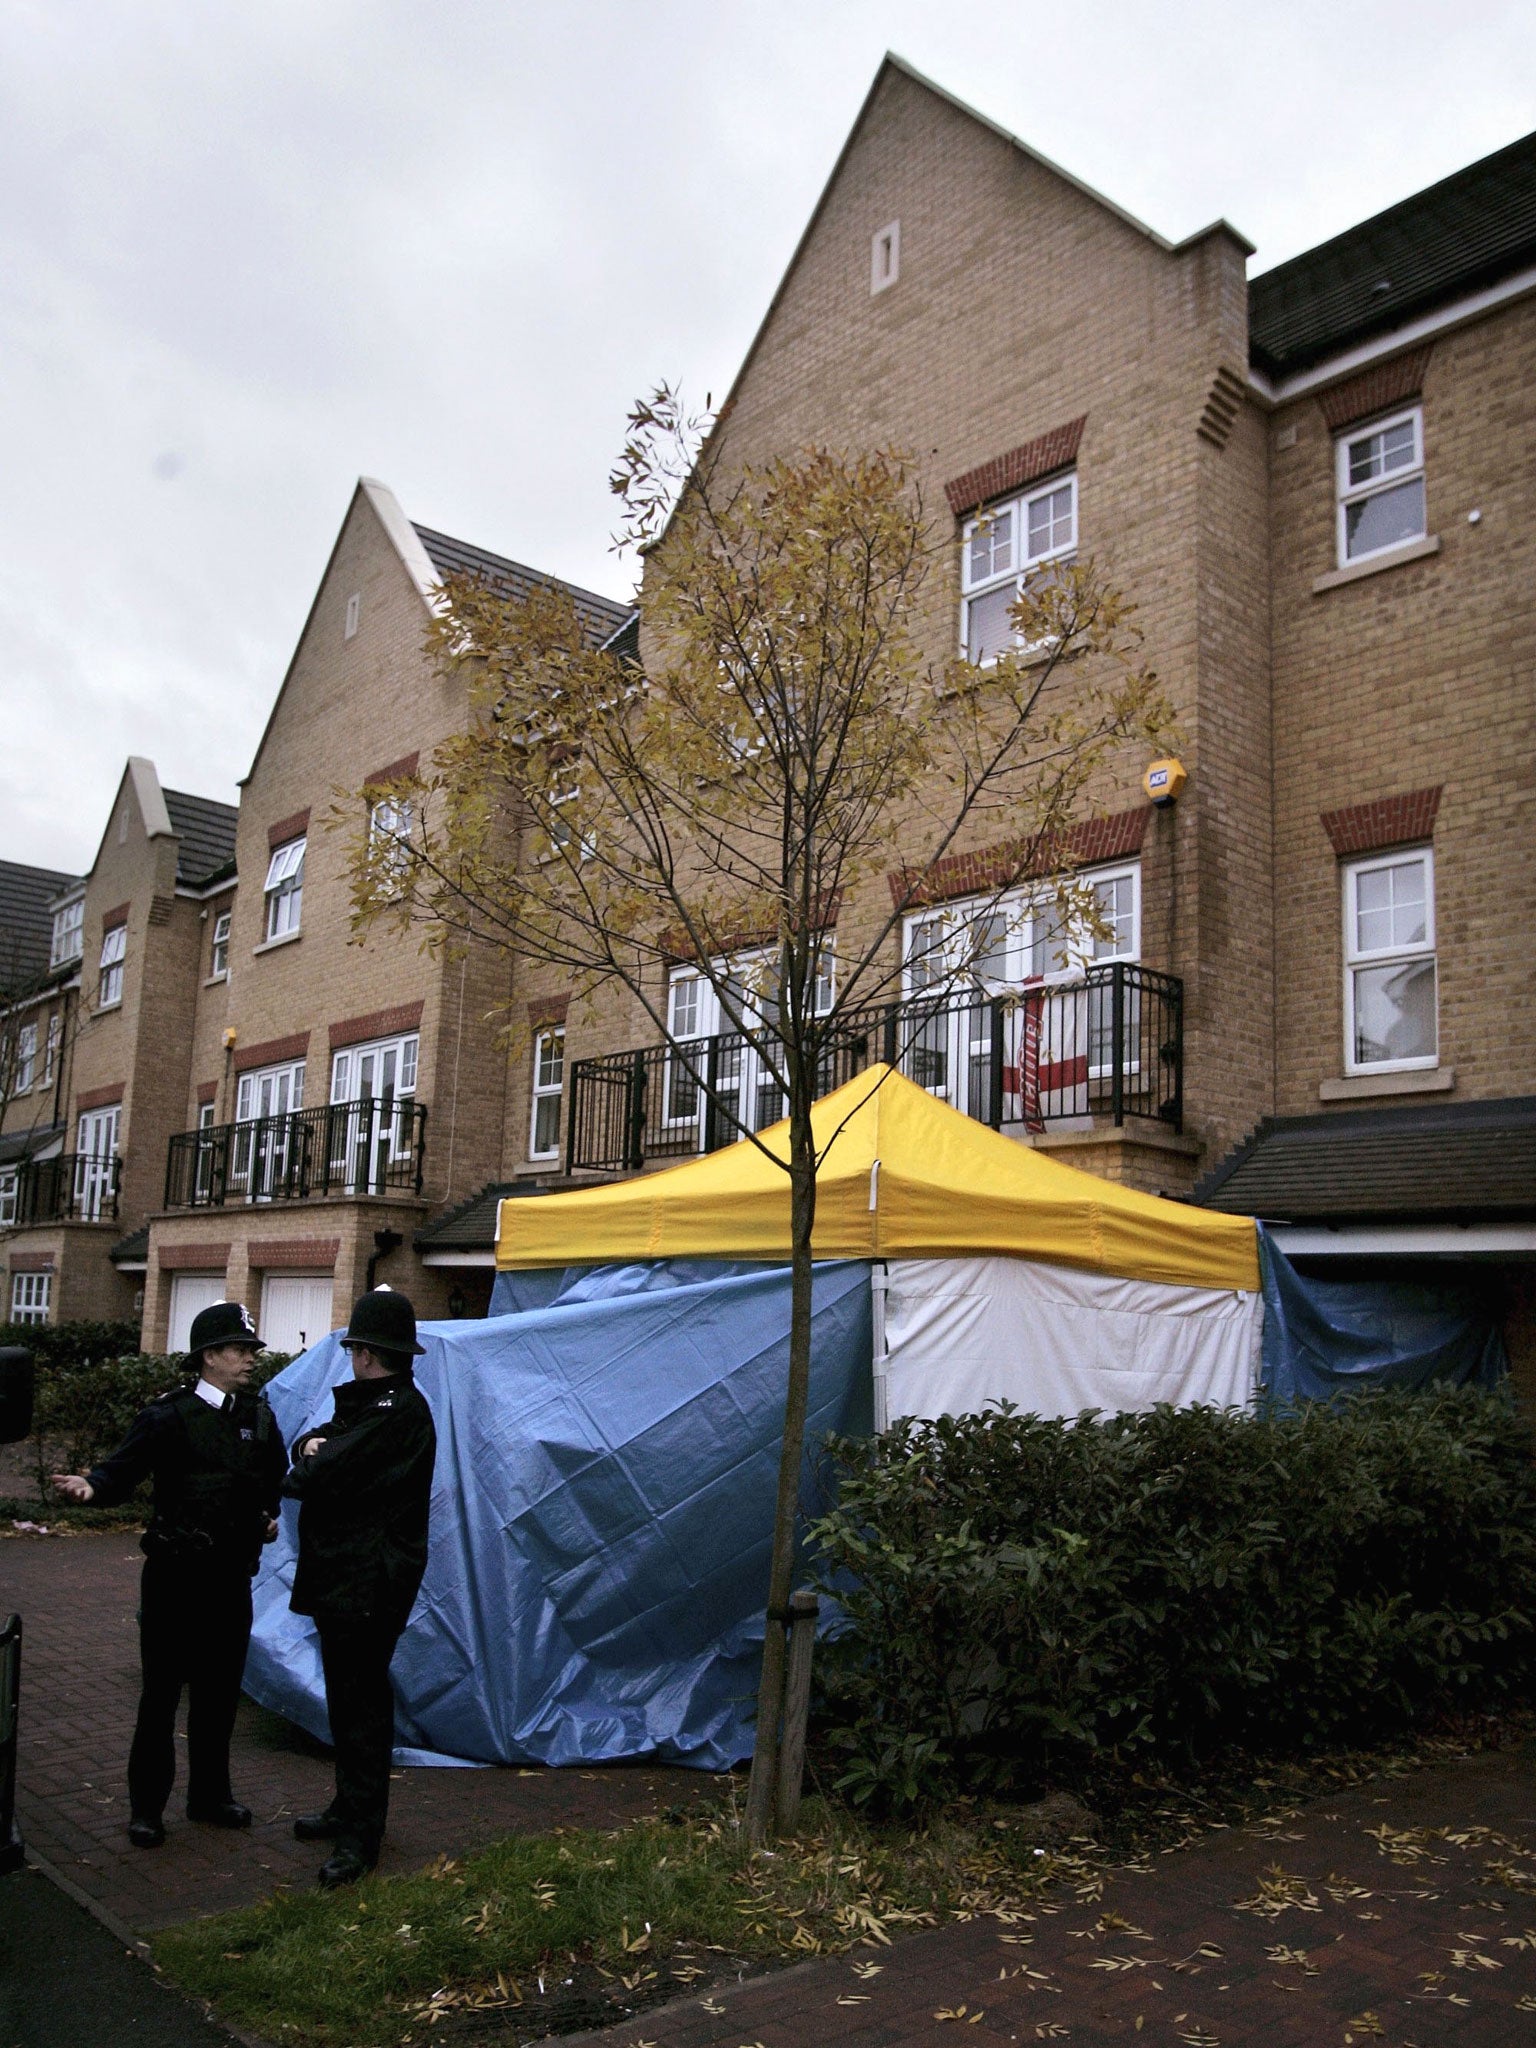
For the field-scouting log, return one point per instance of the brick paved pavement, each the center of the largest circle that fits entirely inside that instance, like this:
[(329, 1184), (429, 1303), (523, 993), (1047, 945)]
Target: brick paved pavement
[(1407, 1937), (77, 1597)]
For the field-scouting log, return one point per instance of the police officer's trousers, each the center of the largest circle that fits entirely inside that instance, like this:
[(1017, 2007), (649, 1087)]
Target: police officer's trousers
[(355, 1653), (194, 1628)]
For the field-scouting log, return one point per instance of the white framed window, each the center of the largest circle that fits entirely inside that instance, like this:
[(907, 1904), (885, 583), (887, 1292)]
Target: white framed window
[(1380, 475), (205, 1114), (354, 609), (96, 1161), (10, 1180), (114, 950), (218, 963), (26, 1057), (382, 1070), (269, 1091), (68, 932), (31, 1297), (548, 1081), (284, 889), (51, 1044), (1021, 938), (696, 1009), (1001, 547), (1391, 1001), (885, 256), (390, 822)]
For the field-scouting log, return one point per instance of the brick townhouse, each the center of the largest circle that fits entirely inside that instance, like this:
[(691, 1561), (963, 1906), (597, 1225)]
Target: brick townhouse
[(1318, 488), (99, 1062), (335, 1095)]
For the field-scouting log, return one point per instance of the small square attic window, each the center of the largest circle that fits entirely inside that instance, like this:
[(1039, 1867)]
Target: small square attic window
[(354, 606), (885, 257)]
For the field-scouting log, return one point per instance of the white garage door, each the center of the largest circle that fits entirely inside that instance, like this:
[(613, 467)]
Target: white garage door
[(295, 1310), (191, 1293)]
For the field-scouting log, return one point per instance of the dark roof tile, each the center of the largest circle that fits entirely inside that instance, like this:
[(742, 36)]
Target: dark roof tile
[(471, 1227), (1459, 236), (1443, 1161), (205, 830), (449, 557), (26, 923)]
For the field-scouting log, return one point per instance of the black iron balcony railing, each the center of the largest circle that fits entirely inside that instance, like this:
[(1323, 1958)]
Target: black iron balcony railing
[(72, 1187), (1107, 1044), (342, 1148)]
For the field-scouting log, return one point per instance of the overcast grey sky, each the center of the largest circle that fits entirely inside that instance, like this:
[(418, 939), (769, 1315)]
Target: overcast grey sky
[(249, 252)]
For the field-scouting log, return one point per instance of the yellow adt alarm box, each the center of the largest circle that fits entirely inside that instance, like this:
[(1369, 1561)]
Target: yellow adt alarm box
[(1163, 781)]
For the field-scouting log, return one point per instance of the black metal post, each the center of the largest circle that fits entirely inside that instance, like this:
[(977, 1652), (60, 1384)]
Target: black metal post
[(995, 1067), (1117, 1025), (11, 1853), (636, 1157)]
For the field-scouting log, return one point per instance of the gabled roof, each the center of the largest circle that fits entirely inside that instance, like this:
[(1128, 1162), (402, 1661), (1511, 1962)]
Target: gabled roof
[(1460, 236), (450, 557), (205, 832), (1463, 1162), (26, 923)]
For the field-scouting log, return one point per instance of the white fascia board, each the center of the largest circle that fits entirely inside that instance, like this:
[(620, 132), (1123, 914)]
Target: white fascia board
[(480, 1259), (1442, 321), (149, 796), (1356, 1240), (403, 537)]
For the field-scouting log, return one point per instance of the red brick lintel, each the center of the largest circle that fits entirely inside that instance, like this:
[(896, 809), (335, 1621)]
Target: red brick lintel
[(286, 829), (397, 771), (100, 1098), (1023, 465), (546, 1010), (1375, 390), (680, 948), (377, 1024), (997, 867), (111, 919), (192, 1258), (32, 1262), (271, 1052), (1388, 821), (303, 1254), (207, 1091)]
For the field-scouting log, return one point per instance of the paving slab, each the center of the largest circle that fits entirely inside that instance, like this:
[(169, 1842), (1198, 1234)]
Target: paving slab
[(78, 1596)]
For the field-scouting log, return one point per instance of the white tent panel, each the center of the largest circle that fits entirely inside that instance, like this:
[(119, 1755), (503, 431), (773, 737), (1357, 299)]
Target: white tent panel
[(1054, 1340)]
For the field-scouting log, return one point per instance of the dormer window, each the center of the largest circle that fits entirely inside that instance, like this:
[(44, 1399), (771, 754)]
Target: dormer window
[(285, 889), (1002, 546), (68, 932)]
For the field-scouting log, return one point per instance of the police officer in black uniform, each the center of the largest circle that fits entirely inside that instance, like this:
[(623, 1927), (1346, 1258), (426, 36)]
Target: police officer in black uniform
[(217, 1460), (364, 1485)]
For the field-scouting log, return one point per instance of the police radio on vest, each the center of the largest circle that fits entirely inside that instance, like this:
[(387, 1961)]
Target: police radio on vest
[(1163, 781)]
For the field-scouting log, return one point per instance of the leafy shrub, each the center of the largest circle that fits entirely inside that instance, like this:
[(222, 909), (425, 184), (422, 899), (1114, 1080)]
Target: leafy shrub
[(90, 1386), (1023, 1595)]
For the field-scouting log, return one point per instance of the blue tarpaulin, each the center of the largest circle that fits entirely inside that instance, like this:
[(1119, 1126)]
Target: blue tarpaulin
[(601, 1519), (1323, 1338)]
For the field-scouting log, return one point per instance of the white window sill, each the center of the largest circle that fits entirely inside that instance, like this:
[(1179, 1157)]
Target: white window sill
[(217, 980), (103, 1008), (271, 945), (1390, 558), (1404, 1081)]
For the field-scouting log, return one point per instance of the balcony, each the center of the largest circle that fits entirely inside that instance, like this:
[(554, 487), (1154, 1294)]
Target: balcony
[(374, 1148), (1108, 1044), (72, 1187)]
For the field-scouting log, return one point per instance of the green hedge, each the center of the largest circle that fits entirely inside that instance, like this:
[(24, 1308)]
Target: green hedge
[(90, 1385), (1023, 1596)]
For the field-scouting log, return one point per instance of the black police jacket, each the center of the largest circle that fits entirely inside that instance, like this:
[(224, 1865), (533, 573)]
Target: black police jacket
[(364, 1500), (217, 1476)]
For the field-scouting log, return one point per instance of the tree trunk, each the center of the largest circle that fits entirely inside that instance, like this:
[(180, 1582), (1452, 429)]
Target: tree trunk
[(763, 1789)]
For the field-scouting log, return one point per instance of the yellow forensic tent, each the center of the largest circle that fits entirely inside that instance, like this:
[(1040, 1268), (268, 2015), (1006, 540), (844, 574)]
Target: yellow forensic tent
[(903, 1177)]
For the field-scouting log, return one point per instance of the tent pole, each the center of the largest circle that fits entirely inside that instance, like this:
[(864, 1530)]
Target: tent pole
[(879, 1280)]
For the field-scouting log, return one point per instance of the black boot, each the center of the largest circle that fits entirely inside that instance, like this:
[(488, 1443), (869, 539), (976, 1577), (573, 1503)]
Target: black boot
[(346, 1866), (316, 1827), (223, 1813), (144, 1832)]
